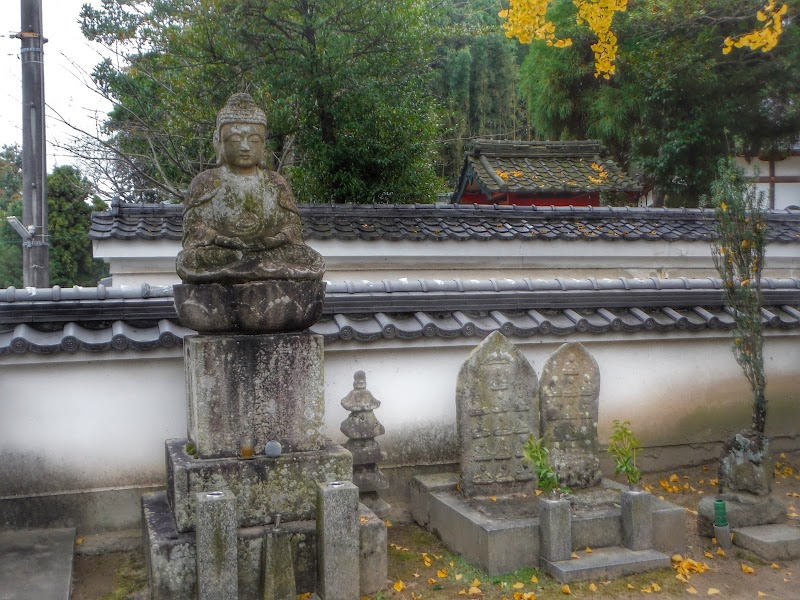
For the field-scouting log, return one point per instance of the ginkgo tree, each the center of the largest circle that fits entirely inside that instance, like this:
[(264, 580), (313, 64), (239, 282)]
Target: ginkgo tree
[(527, 20)]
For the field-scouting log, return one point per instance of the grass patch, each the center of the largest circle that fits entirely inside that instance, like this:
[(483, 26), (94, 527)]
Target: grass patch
[(129, 578)]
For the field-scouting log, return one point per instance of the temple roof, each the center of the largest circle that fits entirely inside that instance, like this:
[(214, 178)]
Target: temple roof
[(541, 167), (456, 222), (52, 320)]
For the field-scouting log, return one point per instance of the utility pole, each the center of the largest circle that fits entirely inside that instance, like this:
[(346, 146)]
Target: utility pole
[(35, 249)]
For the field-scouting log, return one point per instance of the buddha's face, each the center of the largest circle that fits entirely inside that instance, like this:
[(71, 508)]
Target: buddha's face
[(243, 145)]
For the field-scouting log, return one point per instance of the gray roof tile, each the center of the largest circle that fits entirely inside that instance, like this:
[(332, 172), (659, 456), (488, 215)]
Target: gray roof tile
[(457, 222)]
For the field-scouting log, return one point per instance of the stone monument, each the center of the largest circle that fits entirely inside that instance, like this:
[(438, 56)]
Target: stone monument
[(496, 412), (362, 427), (255, 405), (570, 391), (489, 511)]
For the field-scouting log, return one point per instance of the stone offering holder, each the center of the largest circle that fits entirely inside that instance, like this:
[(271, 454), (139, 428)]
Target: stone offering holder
[(259, 504), (489, 511)]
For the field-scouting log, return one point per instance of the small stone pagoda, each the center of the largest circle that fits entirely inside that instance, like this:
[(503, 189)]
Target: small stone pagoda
[(256, 481)]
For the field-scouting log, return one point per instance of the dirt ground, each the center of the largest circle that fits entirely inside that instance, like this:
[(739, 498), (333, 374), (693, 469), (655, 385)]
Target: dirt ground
[(420, 568)]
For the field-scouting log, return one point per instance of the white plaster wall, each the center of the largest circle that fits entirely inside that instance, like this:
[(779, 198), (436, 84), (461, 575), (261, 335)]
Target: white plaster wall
[(88, 421), (786, 194)]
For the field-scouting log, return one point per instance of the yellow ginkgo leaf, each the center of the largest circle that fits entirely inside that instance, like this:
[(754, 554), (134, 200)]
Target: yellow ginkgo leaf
[(305, 596), (518, 595), (388, 523), (459, 576), (538, 492), (682, 578), (534, 579), (775, 566), (708, 554), (592, 587), (656, 587), (428, 562), (565, 589), (747, 569), (761, 594), (712, 591), (647, 590), (416, 574), (720, 551), (476, 582), (475, 591), (518, 586), (691, 590), (363, 520), (399, 586), (493, 498), (631, 587), (575, 555), (462, 592), (431, 580), (442, 573), (588, 550), (674, 478), (80, 541)]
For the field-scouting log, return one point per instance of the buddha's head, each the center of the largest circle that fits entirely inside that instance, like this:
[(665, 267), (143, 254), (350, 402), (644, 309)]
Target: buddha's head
[(241, 134)]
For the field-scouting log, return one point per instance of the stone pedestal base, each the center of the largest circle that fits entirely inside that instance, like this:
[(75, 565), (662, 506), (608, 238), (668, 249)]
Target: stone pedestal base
[(637, 520), (263, 486), (170, 554), (743, 510), (261, 387)]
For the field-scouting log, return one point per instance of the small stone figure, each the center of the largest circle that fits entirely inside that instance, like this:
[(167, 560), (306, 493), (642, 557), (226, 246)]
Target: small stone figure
[(362, 427), (244, 264)]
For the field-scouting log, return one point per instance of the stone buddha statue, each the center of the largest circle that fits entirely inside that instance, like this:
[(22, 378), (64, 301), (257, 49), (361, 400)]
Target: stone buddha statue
[(240, 221), (244, 264)]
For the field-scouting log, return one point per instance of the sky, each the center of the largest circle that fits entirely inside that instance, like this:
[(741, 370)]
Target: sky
[(68, 61)]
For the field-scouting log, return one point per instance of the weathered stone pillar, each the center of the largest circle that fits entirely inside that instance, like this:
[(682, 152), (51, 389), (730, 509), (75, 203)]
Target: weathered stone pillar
[(637, 520), (217, 562), (278, 567), (555, 530), (337, 541)]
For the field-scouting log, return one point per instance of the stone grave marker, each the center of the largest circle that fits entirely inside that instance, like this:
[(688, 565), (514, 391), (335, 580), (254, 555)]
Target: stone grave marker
[(497, 410), (570, 391)]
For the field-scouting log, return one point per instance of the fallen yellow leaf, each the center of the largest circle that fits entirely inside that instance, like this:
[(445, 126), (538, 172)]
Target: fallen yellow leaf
[(677, 558), (476, 582), (388, 523), (674, 478), (519, 585), (747, 569), (630, 587), (761, 594), (708, 554), (493, 498), (691, 590), (431, 580), (414, 596), (588, 550), (565, 589), (518, 595), (647, 590), (775, 566), (712, 591), (452, 564), (462, 592), (79, 541), (416, 574), (442, 573), (528, 596), (305, 596), (475, 591), (656, 587), (592, 587), (720, 551), (682, 578), (399, 586), (459, 576), (363, 520), (574, 555)]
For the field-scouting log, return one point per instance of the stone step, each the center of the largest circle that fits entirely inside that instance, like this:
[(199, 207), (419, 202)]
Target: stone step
[(612, 562), (769, 542), (36, 563)]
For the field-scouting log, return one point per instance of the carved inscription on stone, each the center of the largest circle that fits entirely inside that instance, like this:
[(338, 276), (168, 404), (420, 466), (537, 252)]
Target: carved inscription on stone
[(497, 410), (570, 391)]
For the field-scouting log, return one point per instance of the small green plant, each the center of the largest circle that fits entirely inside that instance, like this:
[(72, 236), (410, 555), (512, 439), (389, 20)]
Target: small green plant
[(538, 455), (623, 445)]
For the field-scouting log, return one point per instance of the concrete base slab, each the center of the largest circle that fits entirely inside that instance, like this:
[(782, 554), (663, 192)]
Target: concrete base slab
[(607, 563), (500, 541), (36, 563), (769, 542)]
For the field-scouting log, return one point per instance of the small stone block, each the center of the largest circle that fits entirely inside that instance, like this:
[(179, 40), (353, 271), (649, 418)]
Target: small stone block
[(263, 486), (374, 562), (337, 541), (217, 561), (278, 567), (262, 387), (607, 563), (769, 542), (743, 510), (36, 563), (555, 530), (637, 520), (420, 489)]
